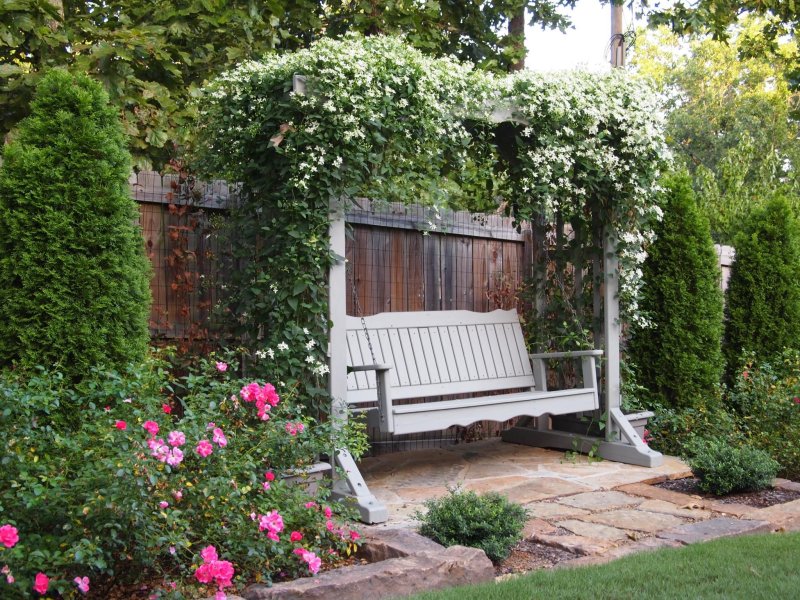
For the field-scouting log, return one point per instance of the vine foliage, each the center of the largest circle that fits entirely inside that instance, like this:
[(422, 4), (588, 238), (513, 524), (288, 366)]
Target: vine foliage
[(375, 118)]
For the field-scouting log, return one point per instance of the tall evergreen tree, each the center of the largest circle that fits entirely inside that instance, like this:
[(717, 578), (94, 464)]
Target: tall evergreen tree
[(763, 297), (73, 274), (679, 357)]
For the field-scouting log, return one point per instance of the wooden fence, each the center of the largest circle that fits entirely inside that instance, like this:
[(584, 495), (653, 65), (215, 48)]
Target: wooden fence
[(397, 261)]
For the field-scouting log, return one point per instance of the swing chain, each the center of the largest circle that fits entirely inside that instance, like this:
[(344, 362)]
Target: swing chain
[(359, 312)]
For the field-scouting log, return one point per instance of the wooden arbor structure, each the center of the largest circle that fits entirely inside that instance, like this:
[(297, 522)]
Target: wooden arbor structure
[(619, 443)]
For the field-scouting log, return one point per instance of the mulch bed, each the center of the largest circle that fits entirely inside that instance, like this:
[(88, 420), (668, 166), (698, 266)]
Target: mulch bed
[(760, 499), (529, 555)]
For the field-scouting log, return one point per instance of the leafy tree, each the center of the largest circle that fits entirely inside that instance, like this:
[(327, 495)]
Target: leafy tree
[(779, 18), (153, 55), (763, 296), (730, 122), (679, 357), (73, 275)]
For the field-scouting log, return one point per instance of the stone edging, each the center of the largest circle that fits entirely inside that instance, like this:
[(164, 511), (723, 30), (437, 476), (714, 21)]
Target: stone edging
[(402, 562)]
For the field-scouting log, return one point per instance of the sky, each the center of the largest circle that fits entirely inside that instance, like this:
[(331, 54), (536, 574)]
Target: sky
[(585, 46)]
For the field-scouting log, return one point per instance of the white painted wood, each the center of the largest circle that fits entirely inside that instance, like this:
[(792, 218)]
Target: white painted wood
[(473, 353), (612, 328), (347, 480)]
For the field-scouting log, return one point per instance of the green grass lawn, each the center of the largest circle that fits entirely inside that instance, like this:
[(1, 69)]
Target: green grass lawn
[(762, 566)]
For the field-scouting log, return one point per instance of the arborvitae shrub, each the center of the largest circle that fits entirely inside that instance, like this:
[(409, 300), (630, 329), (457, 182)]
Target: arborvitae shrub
[(763, 296), (74, 286), (679, 358)]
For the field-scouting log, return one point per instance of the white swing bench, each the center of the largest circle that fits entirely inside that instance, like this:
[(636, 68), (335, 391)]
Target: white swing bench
[(428, 355)]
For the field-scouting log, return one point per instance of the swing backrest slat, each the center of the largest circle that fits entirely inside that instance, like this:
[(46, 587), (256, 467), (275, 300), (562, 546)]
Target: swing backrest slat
[(438, 353)]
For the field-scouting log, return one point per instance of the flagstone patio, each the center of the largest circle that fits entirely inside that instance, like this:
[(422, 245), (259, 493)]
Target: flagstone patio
[(403, 481), (596, 510)]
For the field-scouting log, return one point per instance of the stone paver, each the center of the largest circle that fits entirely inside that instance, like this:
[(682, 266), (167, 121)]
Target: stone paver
[(539, 488), (494, 484), (781, 516), (647, 544), (785, 484), (638, 520), (656, 493), (686, 510), (595, 531), (600, 500), (537, 527), (712, 529), (554, 510), (576, 544)]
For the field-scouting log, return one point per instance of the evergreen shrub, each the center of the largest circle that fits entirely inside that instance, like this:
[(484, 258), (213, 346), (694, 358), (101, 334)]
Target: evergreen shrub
[(74, 279), (678, 356), (488, 522), (763, 296), (724, 469)]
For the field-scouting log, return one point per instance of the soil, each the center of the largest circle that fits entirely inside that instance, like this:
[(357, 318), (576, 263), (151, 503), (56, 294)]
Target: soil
[(528, 555), (760, 499)]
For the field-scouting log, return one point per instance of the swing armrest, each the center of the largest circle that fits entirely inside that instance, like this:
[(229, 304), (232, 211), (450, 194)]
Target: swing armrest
[(386, 418), (376, 368), (587, 366)]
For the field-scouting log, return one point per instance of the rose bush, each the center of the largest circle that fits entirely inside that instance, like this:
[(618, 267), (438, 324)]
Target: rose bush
[(155, 469)]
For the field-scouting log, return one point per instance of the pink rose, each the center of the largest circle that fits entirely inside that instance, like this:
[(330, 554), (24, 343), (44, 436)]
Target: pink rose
[(354, 535), (204, 448), (177, 494), (9, 536), (176, 438), (151, 427), (166, 408), (163, 504), (41, 583), (221, 366), (219, 437), (203, 573), (121, 425), (295, 536), (208, 554), (269, 476), (82, 583), (328, 512)]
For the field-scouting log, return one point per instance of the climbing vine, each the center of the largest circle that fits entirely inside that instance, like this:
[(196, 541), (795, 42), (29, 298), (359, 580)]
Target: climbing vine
[(371, 117)]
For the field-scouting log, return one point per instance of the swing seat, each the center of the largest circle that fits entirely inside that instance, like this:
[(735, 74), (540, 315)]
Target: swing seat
[(402, 364)]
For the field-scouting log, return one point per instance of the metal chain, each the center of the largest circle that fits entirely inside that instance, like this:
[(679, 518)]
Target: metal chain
[(360, 313)]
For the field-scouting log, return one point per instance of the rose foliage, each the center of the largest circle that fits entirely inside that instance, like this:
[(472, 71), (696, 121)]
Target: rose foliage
[(158, 469)]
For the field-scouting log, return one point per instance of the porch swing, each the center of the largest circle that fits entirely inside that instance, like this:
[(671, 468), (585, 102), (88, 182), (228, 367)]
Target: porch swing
[(426, 355)]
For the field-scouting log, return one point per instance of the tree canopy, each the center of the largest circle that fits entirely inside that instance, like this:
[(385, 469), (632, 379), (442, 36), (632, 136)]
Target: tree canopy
[(152, 56), (731, 122)]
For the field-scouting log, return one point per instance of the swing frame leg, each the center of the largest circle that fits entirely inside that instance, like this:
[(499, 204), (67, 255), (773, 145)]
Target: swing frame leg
[(349, 486)]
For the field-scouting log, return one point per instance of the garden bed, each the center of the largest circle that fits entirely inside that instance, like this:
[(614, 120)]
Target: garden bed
[(760, 499), (529, 555)]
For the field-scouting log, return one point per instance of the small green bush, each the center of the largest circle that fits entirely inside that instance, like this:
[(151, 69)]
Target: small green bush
[(489, 522), (724, 469), (763, 296), (74, 278), (679, 356)]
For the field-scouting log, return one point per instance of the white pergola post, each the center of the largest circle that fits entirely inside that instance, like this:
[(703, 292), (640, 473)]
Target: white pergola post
[(622, 443), (348, 484)]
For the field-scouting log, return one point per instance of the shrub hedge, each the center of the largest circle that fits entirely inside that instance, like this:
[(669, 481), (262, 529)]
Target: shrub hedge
[(74, 279), (763, 296), (678, 357)]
